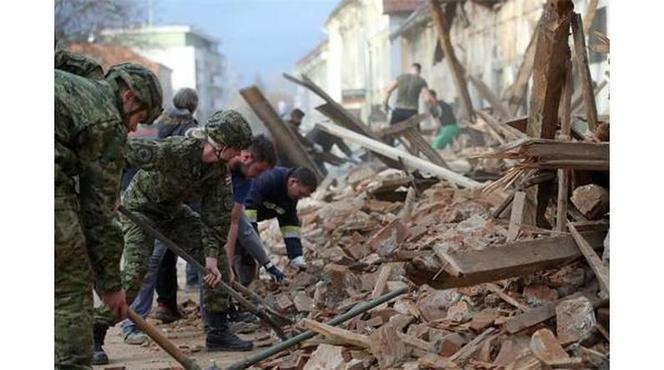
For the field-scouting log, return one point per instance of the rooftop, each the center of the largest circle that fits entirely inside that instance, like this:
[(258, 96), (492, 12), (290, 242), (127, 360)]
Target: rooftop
[(162, 29)]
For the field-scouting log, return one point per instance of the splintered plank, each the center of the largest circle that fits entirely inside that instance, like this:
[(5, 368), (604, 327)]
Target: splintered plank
[(545, 149), (596, 264), (501, 262), (581, 59), (552, 55), (337, 335)]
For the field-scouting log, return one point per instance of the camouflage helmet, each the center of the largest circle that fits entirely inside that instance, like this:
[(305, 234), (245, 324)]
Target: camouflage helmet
[(143, 83), (230, 128)]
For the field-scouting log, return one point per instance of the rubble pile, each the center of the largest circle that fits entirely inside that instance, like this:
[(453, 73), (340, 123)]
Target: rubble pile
[(370, 231)]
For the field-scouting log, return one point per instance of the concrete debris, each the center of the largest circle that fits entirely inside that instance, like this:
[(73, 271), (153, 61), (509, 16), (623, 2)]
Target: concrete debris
[(575, 320), (592, 200)]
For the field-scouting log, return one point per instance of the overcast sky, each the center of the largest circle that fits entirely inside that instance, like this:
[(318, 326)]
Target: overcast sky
[(257, 36)]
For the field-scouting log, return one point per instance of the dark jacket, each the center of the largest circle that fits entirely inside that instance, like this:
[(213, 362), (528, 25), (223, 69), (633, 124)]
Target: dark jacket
[(268, 198)]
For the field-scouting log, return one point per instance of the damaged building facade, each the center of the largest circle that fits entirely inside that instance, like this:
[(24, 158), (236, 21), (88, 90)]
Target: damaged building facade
[(371, 42)]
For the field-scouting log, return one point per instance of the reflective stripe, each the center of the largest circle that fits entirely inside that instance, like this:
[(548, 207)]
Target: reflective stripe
[(290, 231), (251, 214)]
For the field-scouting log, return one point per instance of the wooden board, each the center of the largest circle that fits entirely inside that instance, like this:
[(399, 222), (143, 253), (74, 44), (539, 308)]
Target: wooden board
[(581, 60), (395, 154), (500, 262), (283, 136), (337, 335), (551, 57), (338, 113), (398, 128), (542, 313), (416, 140), (565, 130), (516, 218), (458, 75), (596, 264)]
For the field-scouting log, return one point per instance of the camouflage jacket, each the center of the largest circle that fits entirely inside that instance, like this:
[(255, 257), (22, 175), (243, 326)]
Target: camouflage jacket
[(89, 140), (171, 173)]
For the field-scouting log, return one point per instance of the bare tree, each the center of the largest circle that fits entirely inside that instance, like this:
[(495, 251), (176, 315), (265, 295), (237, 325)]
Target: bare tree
[(83, 20)]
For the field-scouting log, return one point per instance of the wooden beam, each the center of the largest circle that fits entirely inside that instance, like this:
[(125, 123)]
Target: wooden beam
[(381, 281), (577, 101), (516, 94), (589, 16), (337, 113), (516, 219), (581, 60), (284, 137), (551, 57), (571, 164), (518, 123), (547, 149), (596, 264), (340, 116), (500, 262), (397, 128), (337, 335), (539, 314), (443, 31), (485, 92), (565, 130), (416, 140), (395, 154)]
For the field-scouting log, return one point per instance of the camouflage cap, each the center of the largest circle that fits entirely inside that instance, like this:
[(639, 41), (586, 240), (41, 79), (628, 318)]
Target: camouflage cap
[(143, 83), (230, 128)]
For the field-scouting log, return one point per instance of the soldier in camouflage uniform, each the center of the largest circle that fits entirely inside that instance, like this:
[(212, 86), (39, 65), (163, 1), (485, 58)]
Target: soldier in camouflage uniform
[(173, 171), (92, 118)]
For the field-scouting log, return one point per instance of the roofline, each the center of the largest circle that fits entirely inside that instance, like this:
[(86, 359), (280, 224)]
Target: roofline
[(337, 9), (184, 28)]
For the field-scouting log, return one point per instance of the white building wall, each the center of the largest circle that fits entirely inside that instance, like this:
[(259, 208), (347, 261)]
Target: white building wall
[(491, 46)]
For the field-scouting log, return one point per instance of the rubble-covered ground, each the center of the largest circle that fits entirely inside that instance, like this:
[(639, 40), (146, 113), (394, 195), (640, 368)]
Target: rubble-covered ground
[(361, 233)]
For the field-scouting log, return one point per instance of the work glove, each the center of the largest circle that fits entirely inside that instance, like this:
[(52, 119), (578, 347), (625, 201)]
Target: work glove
[(299, 262), (276, 275)]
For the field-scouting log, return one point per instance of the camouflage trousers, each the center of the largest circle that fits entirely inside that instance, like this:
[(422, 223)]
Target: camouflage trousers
[(73, 289), (182, 226)]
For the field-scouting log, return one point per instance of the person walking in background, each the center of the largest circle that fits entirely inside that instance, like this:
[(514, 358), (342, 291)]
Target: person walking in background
[(409, 87), (447, 124)]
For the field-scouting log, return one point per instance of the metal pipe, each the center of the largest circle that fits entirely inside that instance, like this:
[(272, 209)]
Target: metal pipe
[(309, 334)]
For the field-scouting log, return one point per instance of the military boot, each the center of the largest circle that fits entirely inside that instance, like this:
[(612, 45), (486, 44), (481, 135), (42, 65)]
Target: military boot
[(99, 357), (220, 338)]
